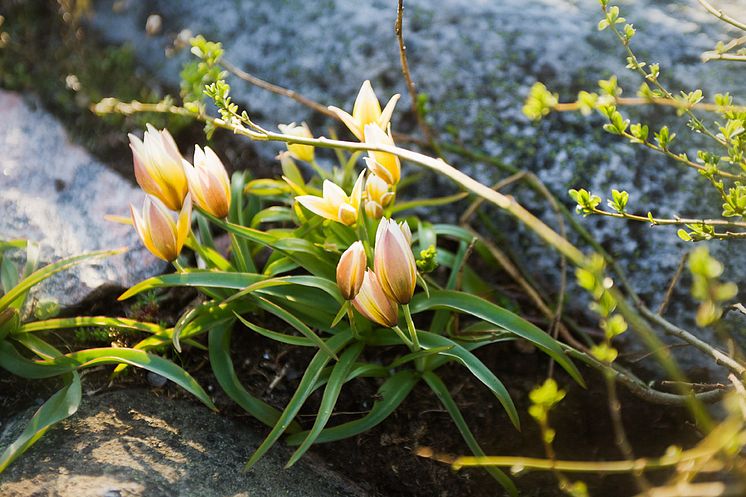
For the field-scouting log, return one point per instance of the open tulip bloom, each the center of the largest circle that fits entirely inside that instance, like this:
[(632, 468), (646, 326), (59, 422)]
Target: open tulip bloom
[(382, 164), (366, 110), (334, 203)]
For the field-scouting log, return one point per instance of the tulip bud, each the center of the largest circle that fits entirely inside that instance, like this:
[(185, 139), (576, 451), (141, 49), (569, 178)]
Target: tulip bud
[(299, 151), (366, 110), (373, 303), (163, 237), (382, 164), (158, 168), (378, 196), (208, 182), (394, 262), (351, 270)]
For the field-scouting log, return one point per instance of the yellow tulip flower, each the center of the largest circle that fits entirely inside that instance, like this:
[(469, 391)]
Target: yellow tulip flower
[(300, 152), (335, 204), (351, 270), (208, 182), (377, 196), (367, 110), (382, 164), (163, 237), (158, 168), (373, 303), (394, 261)]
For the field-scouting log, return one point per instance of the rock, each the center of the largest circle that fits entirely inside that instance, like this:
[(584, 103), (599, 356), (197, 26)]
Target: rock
[(56, 194), (130, 443), (475, 61)]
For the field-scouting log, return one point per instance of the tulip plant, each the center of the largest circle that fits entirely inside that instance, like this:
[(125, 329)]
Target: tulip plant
[(28, 351), (327, 251)]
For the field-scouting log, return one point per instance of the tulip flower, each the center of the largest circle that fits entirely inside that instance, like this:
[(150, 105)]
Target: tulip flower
[(335, 204), (382, 164), (366, 111), (158, 168), (351, 270), (208, 182), (394, 261), (300, 152), (373, 303), (157, 229), (378, 196)]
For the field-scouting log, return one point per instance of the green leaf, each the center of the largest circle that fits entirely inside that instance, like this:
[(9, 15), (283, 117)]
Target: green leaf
[(328, 286), (103, 321), (49, 270), (277, 336), (12, 361), (475, 366), (439, 388), (296, 323), (391, 394), (219, 341), (305, 388), (487, 311), (61, 405), (338, 377), (151, 362), (195, 278)]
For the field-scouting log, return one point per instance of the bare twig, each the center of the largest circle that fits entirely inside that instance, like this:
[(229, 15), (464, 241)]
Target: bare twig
[(672, 284), (722, 15), (427, 131)]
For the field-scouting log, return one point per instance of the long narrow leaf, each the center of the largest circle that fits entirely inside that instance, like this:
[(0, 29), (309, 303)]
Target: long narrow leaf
[(337, 378), (61, 405), (49, 270), (392, 394), (195, 278), (222, 367), (487, 311), (139, 358), (437, 386), (12, 361), (275, 335), (295, 323), (305, 388), (477, 368), (103, 321)]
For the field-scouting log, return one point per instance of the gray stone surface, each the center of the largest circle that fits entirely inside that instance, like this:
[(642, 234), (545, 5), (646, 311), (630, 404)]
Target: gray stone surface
[(133, 444), (476, 60), (54, 193)]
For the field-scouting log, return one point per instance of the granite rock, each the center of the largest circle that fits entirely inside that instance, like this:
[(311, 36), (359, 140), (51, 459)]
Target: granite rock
[(54, 193), (129, 443)]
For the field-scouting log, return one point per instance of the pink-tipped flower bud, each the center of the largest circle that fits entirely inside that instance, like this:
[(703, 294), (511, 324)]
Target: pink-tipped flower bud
[(208, 182), (351, 270), (158, 168), (394, 261), (382, 164), (160, 234), (373, 303)]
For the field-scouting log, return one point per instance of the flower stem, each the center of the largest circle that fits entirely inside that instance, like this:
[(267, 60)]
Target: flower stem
[(403, 337), (177, 265), (420, 361)]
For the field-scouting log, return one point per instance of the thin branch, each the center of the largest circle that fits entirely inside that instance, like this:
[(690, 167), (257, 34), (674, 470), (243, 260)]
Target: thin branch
[(411, 88), (294, 95), (672, 285), (662, 101), (675, 221), (722, 15)]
